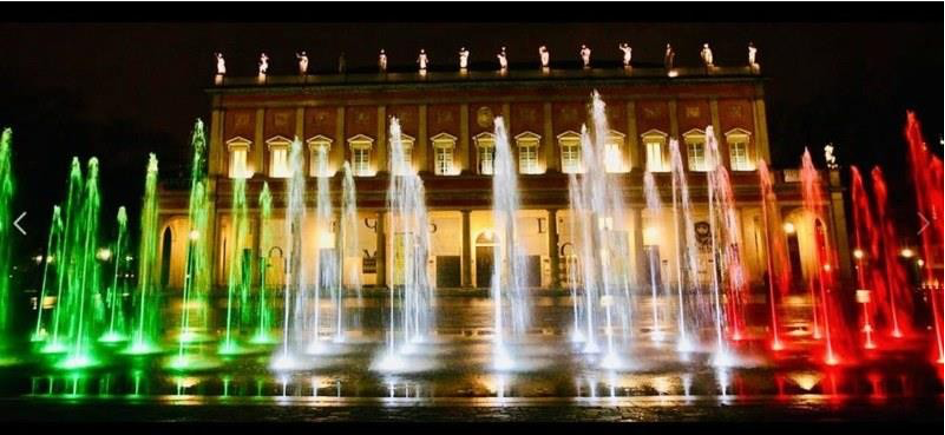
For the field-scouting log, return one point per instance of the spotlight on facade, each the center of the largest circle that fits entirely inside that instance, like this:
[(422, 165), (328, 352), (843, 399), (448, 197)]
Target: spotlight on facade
[(906, 253), (789, 228), (858, 254)]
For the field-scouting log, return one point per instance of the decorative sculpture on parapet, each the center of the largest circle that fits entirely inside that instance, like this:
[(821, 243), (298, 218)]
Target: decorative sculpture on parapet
[(221, 68), (221, 64), (463, 58), (706, 54), (753, 57), (263, 66), (303, 62), (829, 157), (545, 56), (627, 53), (382, 61), (423, 60), (503, 60), (669, 58), (586, 56)]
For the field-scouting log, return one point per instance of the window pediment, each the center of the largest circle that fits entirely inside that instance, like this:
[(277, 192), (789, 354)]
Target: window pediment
[(737, 132), (238, 142), (443, 140), (654, 134), (527, 138), (360, 141), (484, 139), (319, 141)]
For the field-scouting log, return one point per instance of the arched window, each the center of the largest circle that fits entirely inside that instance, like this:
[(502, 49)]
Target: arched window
[(695, 149), (739, 142), (528, 144), (361, 147), (485, 153), (569, 144), (238, 149), (279, 156), (444, 144), (654, 143), (319, 147)]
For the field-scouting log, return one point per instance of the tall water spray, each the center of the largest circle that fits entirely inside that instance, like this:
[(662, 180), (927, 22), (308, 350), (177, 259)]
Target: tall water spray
[(509, 295), (326, 267), (294, 282), (264, 300), (147, 305), (409, 320), (654, 206), (117, 287), (687, 255), (350, 246), (7, 189), (601, 241), (238, 277), (779, 265), (717, 178), (194, 318)]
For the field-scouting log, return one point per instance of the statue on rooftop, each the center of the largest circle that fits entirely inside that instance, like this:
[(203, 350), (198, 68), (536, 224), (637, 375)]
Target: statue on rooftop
[(586, 56), (829, 157), (627, 53), (263, 64), (303, 62), (752, 56), (706, 55), (463, 58), (545, 56), (221, 64), (670, 57), (503, 60), (423, 60), (382, 61)]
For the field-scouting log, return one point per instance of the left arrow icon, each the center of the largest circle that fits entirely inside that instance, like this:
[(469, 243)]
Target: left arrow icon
[(16, 223)]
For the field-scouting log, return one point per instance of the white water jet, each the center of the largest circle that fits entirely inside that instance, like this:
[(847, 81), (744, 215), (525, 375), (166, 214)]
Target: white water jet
[(686, 253), (654, 206), (509, 273)]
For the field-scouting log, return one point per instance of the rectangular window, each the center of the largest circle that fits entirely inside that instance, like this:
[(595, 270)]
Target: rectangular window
[(279, 162), (614, 158), (486, 160), (654, 156), (443, 164), (361, 162), (696, 151), (528, 159), (739, 154), (318, 165), (571, 158), (238, 162)]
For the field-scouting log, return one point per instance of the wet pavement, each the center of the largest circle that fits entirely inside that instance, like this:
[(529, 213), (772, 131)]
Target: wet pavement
[(450, 377)]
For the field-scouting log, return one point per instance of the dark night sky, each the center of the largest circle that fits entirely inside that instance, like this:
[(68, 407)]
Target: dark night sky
[(119, 91)]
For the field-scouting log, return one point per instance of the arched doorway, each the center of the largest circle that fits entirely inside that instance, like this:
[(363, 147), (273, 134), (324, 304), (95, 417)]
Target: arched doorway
[(166, 244), (485, 248)]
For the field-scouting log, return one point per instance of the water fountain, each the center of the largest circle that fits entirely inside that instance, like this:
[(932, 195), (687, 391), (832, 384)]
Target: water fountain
[(326, 266), (597, 209), (238, 276), (721, 226), (7, 189), (509, 295), (654, 207), (114, 296), (899, 304), (828, 295), (926, 170), (779, 265), (687, 255), (294, 283), (410, 306), (195, 303), (350, 248), (264, 311), (147, 306)]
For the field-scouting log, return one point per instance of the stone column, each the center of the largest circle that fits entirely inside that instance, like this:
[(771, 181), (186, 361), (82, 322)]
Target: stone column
[(633, 154), (553, 248), (381, 256), (466, 161), (467, 250), (259, 142), (717, 126)]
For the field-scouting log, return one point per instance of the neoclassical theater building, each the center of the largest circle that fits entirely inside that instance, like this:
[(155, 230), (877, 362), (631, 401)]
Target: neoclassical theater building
[(447, 123)]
